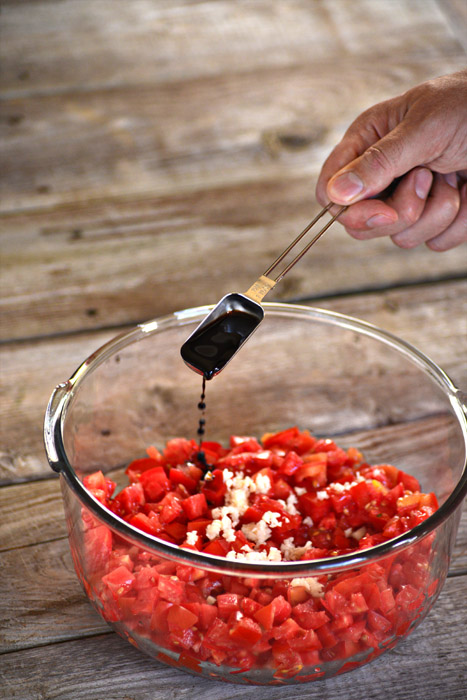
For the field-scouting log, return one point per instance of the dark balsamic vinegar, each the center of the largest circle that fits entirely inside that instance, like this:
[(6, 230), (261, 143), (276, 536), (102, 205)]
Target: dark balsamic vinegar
[(215, 341), (202, 408), (202, 426)]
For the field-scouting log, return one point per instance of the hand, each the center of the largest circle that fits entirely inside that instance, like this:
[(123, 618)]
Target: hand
[(410, 151)]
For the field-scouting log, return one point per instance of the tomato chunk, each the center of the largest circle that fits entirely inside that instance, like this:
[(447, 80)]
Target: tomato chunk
[(286, 497)]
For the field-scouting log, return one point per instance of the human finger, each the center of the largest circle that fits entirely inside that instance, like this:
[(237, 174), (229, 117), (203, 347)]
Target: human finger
[(439, 213), (456, 233)]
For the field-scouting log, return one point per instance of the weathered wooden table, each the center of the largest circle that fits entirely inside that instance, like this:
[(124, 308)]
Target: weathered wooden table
[(155, 154)]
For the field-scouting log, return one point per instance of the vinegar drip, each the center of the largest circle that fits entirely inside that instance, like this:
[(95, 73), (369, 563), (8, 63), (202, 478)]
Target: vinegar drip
[(202, 425), (202, 408)]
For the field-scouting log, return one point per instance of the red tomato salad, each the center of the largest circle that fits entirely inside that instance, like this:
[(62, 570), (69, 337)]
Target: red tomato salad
[(287, 497)]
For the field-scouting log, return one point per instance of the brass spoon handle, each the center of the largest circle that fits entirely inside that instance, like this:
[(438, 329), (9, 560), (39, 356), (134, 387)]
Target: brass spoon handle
[(264, 284)]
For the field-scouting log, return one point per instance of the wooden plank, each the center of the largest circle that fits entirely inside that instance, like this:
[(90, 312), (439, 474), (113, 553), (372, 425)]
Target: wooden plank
[(107, 666), (28, 375), (42, 599), (83, 145), (456, 12), (32, 513), (29, 371), (115, 262), (87, 43)]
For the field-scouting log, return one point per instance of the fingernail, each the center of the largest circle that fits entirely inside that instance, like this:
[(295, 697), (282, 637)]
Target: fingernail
[(379, 220), (423, 180), (451, 179), (346, 186)]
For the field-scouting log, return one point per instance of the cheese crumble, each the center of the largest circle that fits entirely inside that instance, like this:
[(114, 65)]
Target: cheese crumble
[(311, 584)]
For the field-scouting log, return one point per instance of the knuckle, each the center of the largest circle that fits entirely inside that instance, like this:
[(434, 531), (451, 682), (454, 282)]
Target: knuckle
[(378, 159), (404, 241), (411, 215), (449, 209)]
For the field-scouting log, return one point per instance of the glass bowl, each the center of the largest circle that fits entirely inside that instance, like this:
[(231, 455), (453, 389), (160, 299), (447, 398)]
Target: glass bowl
[(339, 378)]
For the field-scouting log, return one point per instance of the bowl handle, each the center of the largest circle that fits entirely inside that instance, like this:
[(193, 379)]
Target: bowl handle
[(52, 426)]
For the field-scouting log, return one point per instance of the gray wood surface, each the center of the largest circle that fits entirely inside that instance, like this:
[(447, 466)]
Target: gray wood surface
[(155, 155)]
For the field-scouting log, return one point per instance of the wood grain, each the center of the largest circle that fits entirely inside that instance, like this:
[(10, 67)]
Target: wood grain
[(163, 41), (106, 263), (107, 666)]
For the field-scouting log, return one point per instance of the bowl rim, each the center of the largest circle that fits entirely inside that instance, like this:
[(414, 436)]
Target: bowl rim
[(56, 454)]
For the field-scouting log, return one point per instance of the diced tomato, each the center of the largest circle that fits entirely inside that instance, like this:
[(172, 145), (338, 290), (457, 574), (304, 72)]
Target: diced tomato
[(142, 522), (171, 508), (97, 549), (228, 603), (214, 488), (286, 658), (314, 507), (246, 443), (218, 547), (207, 615), (176, 530), (159, 621), (246, 632), (171, 589), (155, 483), (179, 450), (119, 581), (410, 482), (288, 629), (314, 468), (98, 482), (182, 476), (249, 622), (199, 524), (179, 618), (130, 500), (195, 506), (291, 463)]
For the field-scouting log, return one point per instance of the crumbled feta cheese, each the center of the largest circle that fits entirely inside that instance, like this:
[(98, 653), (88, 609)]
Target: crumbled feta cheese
[(227, 475), (272, 518), (236, 500), (257, 532), (210, 600), (239, 488), (290, 505), (291, 552), (322, 495), (263, 483), (300, 490), (213, 529), (274, 554), (358, 534), (252, 555), (192, 537), (311, 584), (231, 511), (308, 521)]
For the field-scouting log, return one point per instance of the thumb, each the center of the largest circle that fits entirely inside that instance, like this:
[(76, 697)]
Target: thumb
[(394, 155)]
